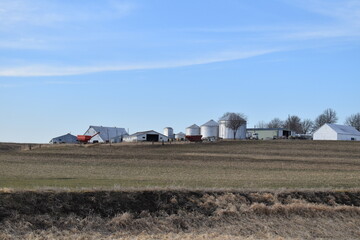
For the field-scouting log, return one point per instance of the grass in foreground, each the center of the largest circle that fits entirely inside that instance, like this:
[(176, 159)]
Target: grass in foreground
[(179, 214)]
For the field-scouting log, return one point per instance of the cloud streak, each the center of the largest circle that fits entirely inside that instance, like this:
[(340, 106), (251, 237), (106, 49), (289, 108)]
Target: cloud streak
[(46, 13), (44, 70)]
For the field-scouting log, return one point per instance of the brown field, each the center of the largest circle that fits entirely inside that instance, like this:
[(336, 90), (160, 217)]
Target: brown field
[(242, 164), (224, 190)]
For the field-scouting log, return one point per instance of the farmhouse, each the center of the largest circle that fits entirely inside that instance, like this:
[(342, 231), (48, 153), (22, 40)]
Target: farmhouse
[(68, 138), (106, 134), (269, 133), (147, 136), (336, 132)]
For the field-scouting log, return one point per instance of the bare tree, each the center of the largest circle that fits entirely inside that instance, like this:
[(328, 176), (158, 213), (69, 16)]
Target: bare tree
[(354, 121), (275, 123), (293, 123), (234, 121), (328, 116), (306, 126), (261, 124)]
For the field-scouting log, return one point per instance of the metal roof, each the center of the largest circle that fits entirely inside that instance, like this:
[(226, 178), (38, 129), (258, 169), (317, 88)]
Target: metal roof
[(343, 129), (145, 132), (66, 135), (107, 133), (265, 129), (194, 126), (210, 123)]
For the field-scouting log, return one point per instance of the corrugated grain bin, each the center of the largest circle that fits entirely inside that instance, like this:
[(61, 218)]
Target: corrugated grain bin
[(193, 130), (210, 129)]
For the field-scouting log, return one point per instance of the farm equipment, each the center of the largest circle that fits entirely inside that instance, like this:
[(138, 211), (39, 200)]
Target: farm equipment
[(196, 138), (85, 138)]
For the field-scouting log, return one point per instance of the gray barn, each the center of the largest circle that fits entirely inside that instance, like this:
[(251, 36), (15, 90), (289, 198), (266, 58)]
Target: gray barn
[(68, 138)]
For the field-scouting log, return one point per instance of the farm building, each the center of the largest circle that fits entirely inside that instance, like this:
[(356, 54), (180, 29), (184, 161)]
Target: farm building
[(336, 132), (269, 133), (180, 136), (193, 130), (68, 138), (209, 129), (147, 136), (169, 132), (228, 133), (106, 134)]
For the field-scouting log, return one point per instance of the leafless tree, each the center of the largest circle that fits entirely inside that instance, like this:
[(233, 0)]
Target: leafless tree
[(261, 124), (306, 126), (275, 123), (234, 121), (293, 123), (328, 116), (354, 121)]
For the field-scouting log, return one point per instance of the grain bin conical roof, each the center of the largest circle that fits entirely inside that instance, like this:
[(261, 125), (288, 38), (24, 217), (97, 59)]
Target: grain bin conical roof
[(210, 123), (193, 126)]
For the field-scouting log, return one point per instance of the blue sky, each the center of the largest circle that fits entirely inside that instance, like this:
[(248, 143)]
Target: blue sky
[(149, 64)]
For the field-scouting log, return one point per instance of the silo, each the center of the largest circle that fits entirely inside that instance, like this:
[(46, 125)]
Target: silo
[(210, 129), (169, 132), (228, 133), (193, 130), (180, 136)]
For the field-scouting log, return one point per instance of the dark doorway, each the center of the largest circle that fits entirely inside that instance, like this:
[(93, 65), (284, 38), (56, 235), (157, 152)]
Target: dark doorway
[(286, 133), (152, 137)]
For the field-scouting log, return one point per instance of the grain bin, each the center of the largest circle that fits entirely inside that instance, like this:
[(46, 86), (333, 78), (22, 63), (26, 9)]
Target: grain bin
[(169, 132), (180, 136), (210, 129), (228, 133), (193, 130)]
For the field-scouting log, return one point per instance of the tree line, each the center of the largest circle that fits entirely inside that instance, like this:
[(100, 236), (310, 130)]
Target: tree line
[(308, 126)]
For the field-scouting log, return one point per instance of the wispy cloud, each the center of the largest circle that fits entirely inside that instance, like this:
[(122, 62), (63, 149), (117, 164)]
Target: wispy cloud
[(44, 70), (345, 16), (45, 13)]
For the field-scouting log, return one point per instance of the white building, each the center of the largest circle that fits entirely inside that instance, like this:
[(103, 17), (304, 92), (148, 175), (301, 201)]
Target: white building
[(228, 133), (106, 134), (336, 132), (147, 136), (180, 136), (169, 132), (67, 138), (210, 129), (193, 130)]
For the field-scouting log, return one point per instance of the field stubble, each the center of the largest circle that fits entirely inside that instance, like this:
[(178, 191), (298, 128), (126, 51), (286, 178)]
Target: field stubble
[(243, 164), (84, 191)]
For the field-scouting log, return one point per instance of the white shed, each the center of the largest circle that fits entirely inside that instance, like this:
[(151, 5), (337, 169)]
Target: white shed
[(147, 136), (336, 132), (106, 134)]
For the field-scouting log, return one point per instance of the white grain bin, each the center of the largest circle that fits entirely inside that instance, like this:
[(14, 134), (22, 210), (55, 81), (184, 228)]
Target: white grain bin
[(169, 132), (193, 130), (180, 136), (210, 129), (227, 133)]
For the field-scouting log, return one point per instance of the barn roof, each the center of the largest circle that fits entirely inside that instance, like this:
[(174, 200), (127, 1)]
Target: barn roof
[(343, 129), (109, 132), (66, 135), (145, 132)]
